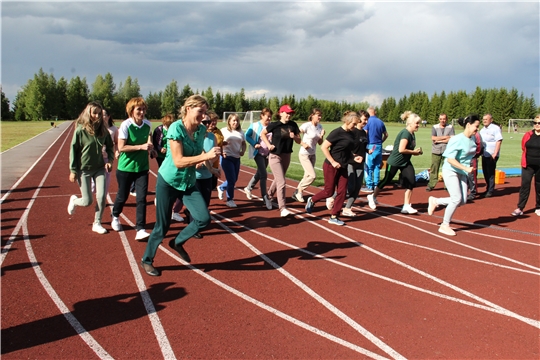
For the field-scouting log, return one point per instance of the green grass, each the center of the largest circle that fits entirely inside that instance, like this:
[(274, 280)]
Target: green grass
[(16, 132)]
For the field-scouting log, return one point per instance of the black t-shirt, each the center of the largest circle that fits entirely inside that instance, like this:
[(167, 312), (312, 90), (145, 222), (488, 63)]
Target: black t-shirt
[(342, 145), (532, 146), (281, 137), (360, 145)]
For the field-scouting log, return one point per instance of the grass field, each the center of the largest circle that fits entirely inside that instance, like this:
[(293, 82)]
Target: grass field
[(14, 133)]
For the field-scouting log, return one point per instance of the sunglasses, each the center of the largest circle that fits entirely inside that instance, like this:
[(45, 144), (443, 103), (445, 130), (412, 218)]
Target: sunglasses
[(207, 122), (536, 122)]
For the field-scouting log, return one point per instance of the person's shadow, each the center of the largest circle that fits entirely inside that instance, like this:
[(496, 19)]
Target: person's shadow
[(92, 314), (280, 258)]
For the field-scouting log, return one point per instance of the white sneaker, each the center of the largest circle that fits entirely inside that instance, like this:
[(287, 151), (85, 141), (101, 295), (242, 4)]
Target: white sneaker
[(432, 205), (267, 202), (249, 195), (97, 228), (348, 212), (230, 203), (133, 193), (537, 212), (219, 193), (177, 217), (141, 235), (115, 224), (71, 205), (335, 221), (445, 229), (285, 212), (329, 203), (408, 209), (371, 202), (155, 201)]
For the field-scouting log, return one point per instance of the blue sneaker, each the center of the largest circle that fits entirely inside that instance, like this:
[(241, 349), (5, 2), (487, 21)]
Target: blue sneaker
[(309, 205), (335, 221)]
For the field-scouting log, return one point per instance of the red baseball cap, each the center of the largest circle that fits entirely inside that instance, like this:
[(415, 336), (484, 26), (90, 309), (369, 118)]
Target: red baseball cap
[(286, 108)]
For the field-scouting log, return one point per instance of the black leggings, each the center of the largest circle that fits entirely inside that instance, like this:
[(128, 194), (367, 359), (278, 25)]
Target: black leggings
[(407, 176)]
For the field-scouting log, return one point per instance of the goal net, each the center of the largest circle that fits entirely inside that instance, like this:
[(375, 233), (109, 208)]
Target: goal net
[(520, 126), (246, 118)]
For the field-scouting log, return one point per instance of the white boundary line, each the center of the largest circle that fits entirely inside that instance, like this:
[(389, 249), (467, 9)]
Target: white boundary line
[(33, 165), (379, 276)]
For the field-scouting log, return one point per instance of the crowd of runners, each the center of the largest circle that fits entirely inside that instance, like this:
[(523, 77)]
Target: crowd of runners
[(192, 154)]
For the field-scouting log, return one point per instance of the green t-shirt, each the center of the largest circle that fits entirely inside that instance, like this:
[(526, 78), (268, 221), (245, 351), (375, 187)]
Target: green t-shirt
[(398, 159), (184, 178), (134, 161)]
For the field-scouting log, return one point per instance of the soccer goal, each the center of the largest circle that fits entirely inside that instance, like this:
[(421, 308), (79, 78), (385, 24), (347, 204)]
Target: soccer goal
[(246, 118), (520, 126)]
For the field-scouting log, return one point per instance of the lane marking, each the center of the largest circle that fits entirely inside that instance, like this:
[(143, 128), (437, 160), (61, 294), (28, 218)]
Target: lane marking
[(64, 310), (367, 272), (33, 165), (157, 326), (272, 310)]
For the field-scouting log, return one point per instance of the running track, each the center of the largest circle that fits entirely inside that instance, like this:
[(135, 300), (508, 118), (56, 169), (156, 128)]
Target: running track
[(386, 285)]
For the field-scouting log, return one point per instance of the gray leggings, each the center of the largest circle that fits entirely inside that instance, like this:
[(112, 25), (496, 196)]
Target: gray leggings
[(456, 184), (85, 183)]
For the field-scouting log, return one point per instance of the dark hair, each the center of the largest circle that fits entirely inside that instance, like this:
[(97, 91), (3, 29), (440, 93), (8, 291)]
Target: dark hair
[(364, 113), (469, 119), (111, 121)]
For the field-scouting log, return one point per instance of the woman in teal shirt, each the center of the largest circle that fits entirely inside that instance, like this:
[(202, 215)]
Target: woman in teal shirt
[(177, 179), (456, 168)]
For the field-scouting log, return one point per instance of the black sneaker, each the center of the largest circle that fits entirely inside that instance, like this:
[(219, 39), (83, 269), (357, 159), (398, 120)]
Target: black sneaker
[(180, 250)]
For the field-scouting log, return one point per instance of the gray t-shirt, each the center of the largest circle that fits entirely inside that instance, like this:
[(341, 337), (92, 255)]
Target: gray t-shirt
[(437, 130)]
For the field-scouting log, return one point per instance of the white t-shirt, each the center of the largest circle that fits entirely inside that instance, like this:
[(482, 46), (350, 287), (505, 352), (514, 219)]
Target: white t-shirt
[(234, 141), (312, 134), (490, 135)]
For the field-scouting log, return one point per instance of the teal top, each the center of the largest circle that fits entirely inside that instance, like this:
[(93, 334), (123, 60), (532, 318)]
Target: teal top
[(184, 178), (209, 141), (460, 148), (398, 159)]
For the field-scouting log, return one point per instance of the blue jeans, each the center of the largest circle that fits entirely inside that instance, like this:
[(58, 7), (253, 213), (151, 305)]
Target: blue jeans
[(373, 166), (231, 168)]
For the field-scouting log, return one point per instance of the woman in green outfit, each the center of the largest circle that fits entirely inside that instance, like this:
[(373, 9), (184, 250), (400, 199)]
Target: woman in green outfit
[(177, 179), (400, 159), (86, 161)]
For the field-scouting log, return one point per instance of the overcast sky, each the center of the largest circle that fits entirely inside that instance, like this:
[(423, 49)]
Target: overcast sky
[(356, 51)]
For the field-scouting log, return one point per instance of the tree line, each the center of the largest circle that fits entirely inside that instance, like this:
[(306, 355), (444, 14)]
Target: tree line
[(45, 98)]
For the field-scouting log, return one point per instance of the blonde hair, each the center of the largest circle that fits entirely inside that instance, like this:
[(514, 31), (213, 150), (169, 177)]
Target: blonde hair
[(409, 117), (349, 116), (133, 103), (231, 117), (193, 101), (98, 128)]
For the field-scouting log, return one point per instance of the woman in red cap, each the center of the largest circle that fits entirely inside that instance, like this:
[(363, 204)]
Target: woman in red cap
[(284, 132)]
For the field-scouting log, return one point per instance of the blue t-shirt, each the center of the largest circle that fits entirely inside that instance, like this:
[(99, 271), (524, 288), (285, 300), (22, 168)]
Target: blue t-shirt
[(460, 148), (375, 129)]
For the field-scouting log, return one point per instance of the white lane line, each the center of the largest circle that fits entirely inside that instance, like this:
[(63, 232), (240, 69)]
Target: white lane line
[(72, 320), (22, 220), (341, 315), (85, 336), (379, 276), (459, 244), (272, 310), (159, 331), (507, 312), (33, 165)]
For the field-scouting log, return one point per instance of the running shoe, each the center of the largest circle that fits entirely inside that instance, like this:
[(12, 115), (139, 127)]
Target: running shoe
[(335, 221), (267, 202), (329, 203), (230, 203), (432, 205), (115, 224), (445, 229), (296, 196), (249, 195), (285, 212), (309, 205), (141, 235), (408, 209), (219, 193), (517, 212), (97, 228), (371, 202), (71, 205), (177, 217), (348, 212)]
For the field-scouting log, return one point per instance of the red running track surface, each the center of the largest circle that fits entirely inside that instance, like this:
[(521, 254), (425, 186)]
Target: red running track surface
[(386, 285)]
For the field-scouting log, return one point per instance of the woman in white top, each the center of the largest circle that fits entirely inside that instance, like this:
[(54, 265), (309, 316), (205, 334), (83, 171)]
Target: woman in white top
[(233, 136), (313, 135)]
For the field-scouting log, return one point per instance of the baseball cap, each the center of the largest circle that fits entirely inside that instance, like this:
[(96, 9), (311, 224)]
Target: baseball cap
[(286, 108)]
